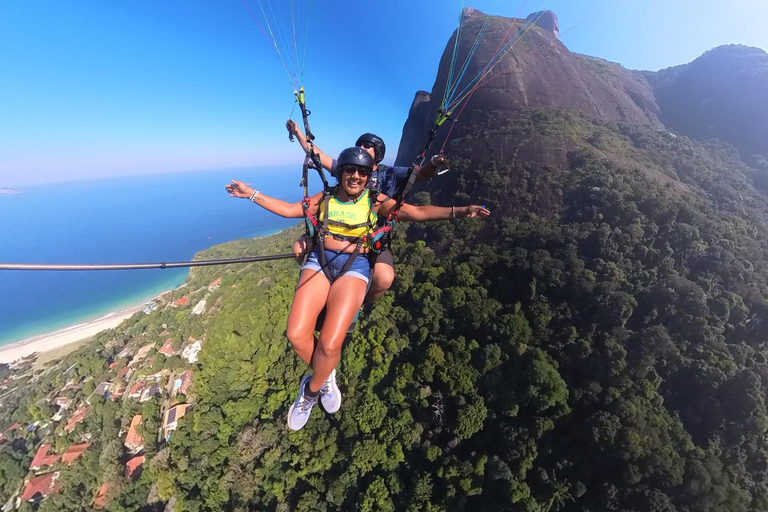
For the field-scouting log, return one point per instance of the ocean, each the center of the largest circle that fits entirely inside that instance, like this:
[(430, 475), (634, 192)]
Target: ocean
[(144, 219)]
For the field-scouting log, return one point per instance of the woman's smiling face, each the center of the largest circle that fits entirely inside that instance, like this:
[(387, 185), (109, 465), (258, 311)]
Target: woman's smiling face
[(354, 179)]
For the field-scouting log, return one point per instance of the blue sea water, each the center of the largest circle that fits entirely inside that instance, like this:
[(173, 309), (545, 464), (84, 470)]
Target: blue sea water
[(144, 219)]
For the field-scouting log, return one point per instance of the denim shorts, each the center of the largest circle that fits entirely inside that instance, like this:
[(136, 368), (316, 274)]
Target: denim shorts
[(335, 262)]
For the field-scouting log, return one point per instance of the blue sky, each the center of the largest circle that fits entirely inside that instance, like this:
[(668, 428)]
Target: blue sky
[(98, 88)]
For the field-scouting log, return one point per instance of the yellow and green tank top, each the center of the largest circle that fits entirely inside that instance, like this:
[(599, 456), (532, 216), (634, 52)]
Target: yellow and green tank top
[(353, 219)]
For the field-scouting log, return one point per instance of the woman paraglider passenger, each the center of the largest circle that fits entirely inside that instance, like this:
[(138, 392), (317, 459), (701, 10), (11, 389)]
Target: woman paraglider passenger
[(336, 274)]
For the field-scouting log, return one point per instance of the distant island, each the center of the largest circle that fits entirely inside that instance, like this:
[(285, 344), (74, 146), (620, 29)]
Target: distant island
[(5, 191)]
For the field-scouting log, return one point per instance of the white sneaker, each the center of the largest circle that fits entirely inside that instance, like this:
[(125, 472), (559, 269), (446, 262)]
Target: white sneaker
[(301, 408), (330, 395)]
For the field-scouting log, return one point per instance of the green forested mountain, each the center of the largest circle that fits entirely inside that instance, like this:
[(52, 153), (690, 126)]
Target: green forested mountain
[(597, 345)]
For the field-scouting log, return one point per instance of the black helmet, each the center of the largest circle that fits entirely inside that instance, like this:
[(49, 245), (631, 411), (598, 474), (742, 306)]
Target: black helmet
[(353, 156), (379, 148)]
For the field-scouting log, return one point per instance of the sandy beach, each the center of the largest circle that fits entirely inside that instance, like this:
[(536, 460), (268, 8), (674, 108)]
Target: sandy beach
[(63, 337)]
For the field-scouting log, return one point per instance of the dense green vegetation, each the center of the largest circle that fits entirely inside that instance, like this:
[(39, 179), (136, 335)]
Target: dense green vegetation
[(598, 344)]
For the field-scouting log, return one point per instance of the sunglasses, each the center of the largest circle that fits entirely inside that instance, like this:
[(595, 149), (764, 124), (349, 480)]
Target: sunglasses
[(351, 169), (367, 145)]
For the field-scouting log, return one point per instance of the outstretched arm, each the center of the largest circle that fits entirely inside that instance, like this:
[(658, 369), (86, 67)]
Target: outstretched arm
[(276, 206), (427, 213), (409, 212), (293, 128)]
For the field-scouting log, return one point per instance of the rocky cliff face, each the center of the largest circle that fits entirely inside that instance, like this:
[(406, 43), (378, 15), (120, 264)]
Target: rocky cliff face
[(538, 71), (723, 94)]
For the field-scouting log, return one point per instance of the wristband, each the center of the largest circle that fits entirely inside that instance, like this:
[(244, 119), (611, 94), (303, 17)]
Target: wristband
[(254, 195), (453, 212)]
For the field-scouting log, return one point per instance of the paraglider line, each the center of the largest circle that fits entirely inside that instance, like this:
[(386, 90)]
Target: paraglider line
[(144, 266)]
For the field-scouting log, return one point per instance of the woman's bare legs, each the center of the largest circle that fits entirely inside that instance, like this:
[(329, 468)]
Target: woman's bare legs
[(309, 300), (344, 299)]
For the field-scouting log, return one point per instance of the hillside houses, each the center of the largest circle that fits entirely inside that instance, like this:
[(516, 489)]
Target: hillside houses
[(42, 458), (215, 284), (141, 375), (38, 487), (182, 383), (199, 308), (191, 351), (116, 393), (101, 496), (76, 418), (180, 302), (172, 417), (141, 354), (102, 391), (134, 442), (167, 348), (125, 373), (147, 387), (73, 453), (134, 467), (62, 403)]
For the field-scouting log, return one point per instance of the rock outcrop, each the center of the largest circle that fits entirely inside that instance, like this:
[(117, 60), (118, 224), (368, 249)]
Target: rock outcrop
[(723, 94), (538, 71), (546, 20)]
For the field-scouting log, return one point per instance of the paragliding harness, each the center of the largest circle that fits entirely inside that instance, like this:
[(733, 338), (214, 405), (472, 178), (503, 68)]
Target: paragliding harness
[(317, 230), (323, 230)]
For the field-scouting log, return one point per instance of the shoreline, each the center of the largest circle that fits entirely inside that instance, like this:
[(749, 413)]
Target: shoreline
[(70, 335), (73, 335)]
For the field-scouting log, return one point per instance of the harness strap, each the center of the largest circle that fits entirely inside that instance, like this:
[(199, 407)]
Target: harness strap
[(321, 232), (382, 236), (312, 159), (332, 222)]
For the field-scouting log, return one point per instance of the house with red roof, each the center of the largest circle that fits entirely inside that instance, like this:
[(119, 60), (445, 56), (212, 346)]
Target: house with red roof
[(125, 373), (137, 389), (73, 452), (181, 302), (101, 496), (214, 284), (113, 364), (76, 418), (134, 467), (43, 458), (134, 441), (167, 348), (39, 487)]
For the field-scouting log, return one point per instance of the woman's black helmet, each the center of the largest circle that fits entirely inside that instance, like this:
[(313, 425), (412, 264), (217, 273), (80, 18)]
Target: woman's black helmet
[(379, 148), (356, 156)]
